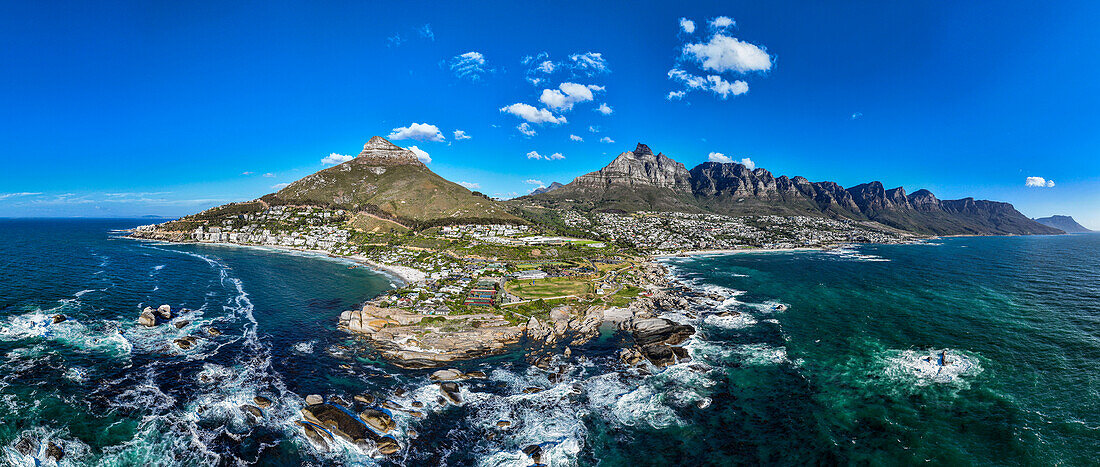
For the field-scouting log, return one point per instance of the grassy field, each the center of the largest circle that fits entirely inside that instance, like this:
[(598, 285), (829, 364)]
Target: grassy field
[(551, 287)]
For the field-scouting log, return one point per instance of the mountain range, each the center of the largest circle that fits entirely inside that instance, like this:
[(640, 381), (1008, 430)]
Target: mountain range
[(387, 188), (641, 180)]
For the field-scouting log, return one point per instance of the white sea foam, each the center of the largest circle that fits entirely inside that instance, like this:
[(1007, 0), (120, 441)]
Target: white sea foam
[(740, 321), (923, 367), (304, 347)]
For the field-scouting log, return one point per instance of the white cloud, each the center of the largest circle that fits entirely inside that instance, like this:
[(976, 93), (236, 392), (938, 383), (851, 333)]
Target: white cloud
[(526, 129), (470, 65), (568, 95), (724, 88), (461, 135), (269, 175), (724, 159), (605, 139), (593, 128), (420, 154), (546, 66), (533, 115), (552, 157), (247, 173), (394, 40), (333, 159), (723, 53), (1039, 182), (279, 186), (857, 116), (687, 25), (588, 64), (712, 83), (417, 131), (426, 32), (575, 138), (470, 185), (18, 195), (532, 181), (604, 109), (722, 22), (719, 157)]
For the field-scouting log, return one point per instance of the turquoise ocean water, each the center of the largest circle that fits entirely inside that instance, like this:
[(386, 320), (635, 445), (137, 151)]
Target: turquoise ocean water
[(848, 373)]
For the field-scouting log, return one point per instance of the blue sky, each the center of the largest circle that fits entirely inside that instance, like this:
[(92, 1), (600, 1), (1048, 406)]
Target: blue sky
[(140, 108)]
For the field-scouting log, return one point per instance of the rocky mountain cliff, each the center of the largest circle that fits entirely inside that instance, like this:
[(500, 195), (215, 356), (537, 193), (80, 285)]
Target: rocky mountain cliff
[(1065, 223), (640, 180)]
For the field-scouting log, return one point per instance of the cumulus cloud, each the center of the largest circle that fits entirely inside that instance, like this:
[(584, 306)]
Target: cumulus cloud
[(532, 181), (470, 185), (719, 157), (279, 186), (575, 138), (526, 129), (724, 159), (593, 128), (334, 158), (856, 116), (687, 25), (417, 131), (588, 64), (725, 88), (604, 109), (605, 139), (461, 135), (546, 66), (557, 156), (568, 94), (723, 53), (470, 65), (722, 22), (1038, 182), (532, 114), (269, 175), (420, 154), (247, 173), (712, 83), (718, 54)]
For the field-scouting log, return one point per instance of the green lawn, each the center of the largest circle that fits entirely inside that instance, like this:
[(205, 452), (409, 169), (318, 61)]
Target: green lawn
[(550, 287)]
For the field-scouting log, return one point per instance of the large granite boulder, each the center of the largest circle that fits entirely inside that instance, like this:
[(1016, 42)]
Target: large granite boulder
[(340, 422)]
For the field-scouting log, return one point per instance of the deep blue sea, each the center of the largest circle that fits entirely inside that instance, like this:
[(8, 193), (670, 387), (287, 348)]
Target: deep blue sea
[(847, 373)]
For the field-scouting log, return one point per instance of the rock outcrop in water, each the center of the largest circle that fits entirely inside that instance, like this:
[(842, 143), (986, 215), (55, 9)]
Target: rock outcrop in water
[(407, 340), (338, 421)]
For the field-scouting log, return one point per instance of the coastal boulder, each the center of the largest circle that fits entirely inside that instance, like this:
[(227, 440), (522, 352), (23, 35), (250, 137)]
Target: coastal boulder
[(165, 312), (658, 340), (314, 399), (148, 317), (342, 423), (448, 374), (379, 420), (450, 390)]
